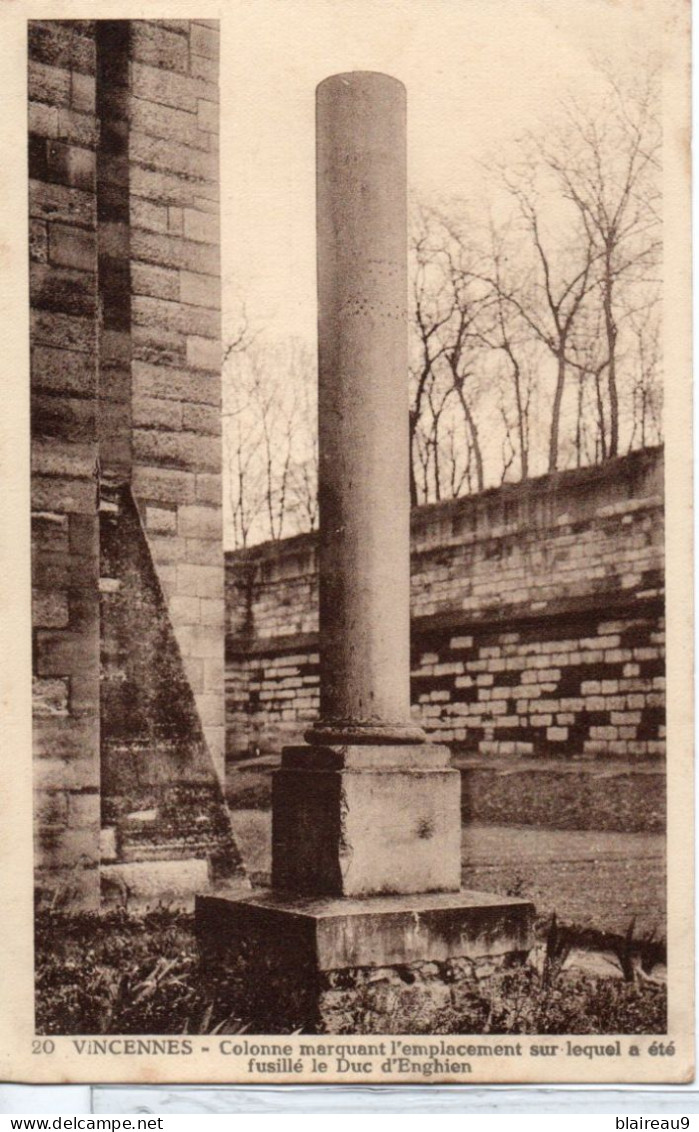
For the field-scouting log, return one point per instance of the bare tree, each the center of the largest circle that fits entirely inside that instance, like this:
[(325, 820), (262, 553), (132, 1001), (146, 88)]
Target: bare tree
[(645, 388), (450, 306), (589, 360), (241, 442), (270, 445), (606, 160), (516, 367), (433, 306), (302, 372), (535, 336), (549, 296), (585, 238), (242, 335), (243, 482)]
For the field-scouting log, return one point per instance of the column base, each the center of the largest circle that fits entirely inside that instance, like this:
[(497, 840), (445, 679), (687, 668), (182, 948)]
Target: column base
[(362, 820), (342, 732), (383, 965)]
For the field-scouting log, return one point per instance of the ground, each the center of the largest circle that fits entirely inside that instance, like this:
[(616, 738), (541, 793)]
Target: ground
[(144, 974), (594, 879), (136, 974), (592, 849)]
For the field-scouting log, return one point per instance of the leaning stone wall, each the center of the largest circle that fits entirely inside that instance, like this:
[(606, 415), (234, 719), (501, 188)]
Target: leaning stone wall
[(176, 338), (126, 480), (537, 621)]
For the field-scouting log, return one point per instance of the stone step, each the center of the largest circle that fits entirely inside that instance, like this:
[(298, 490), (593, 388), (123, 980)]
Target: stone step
[(140, 885)]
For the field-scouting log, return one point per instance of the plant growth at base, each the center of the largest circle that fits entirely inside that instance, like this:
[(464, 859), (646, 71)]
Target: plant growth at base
[(128, 974)]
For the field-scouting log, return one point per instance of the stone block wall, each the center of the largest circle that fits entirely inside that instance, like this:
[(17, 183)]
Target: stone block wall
[(176, 338), (537, 621), (125, 379), (65, 544)]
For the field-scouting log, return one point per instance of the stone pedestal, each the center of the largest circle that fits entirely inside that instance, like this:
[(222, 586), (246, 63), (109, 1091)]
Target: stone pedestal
[(364, 820), (390, 964)]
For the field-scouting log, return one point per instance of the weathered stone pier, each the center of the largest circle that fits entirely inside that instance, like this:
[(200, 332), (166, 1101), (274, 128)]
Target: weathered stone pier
[(365, 928)]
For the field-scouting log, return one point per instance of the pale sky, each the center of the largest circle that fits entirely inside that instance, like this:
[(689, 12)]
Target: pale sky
[(477, 72)]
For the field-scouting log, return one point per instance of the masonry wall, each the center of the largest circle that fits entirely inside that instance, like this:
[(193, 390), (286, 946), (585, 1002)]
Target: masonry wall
[(537, 621), (125, 347), (175, 335), (65, 546)]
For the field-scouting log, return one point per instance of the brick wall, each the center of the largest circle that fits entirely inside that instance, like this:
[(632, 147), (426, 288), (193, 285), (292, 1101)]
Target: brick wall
[(537, 621), (125, 346)]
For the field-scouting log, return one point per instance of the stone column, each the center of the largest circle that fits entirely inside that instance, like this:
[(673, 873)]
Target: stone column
[(368, 809), (363, 412)]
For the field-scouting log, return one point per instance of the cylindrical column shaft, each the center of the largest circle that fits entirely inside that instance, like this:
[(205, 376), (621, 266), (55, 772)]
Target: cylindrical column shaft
[(363, 412)]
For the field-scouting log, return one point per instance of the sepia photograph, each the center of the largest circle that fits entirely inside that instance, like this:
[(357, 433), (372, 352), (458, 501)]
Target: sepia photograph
[(357, 350)]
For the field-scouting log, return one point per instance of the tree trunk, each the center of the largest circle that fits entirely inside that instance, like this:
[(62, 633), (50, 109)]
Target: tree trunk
[(601, 445), (579, 422), (556, 414), (610, 329), (475, 441), (412, 426), (521, 427)]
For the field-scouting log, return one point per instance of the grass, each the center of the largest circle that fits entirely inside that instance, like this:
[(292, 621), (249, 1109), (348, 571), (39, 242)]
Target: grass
[(521, 1002), (127, 974)]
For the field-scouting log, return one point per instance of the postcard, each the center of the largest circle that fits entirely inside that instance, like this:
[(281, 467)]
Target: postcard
[(347, 672)]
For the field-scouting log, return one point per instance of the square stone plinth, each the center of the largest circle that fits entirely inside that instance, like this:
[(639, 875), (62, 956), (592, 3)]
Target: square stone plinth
[(392, 964), (366, 820)]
